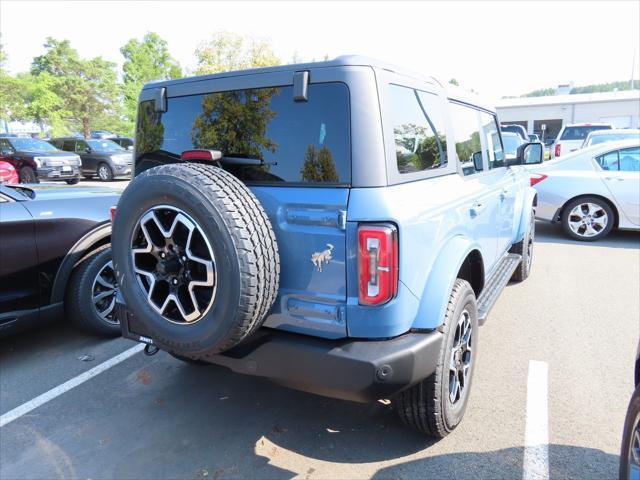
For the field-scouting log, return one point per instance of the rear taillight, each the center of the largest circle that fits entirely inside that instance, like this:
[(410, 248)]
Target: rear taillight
[(557, 151), (537, 178), (112, 213), (377, 263)]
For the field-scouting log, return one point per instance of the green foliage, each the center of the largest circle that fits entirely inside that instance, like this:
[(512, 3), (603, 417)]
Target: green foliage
[(150, 129), (542, 92), (227, 51), (87, 87), (453, 81), (599, 87), (145, 61), (417, 148), (319, 165), (236, 122)]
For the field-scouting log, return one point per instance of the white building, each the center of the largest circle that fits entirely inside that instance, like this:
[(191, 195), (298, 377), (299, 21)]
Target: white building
[(621, 109)]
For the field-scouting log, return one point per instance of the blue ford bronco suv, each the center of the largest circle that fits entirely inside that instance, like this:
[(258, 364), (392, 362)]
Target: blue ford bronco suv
[(340, 228)]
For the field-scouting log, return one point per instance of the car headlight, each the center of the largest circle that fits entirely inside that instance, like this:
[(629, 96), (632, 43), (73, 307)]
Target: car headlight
[(121, 159), (78, 160), (40, 161)]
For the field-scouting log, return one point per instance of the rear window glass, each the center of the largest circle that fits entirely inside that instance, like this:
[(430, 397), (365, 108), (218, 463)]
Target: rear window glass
[(298, 142), (580, 133)]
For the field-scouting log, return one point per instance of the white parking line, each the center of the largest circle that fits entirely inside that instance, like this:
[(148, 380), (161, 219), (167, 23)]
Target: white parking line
[(535, 465), (25, 408)]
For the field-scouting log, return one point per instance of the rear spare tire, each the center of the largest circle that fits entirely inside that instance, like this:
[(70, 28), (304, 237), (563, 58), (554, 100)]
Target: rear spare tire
[(196, 258)]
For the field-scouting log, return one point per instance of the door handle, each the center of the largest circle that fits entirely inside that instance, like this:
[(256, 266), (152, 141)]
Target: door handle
[(614, 178), (476, 209)]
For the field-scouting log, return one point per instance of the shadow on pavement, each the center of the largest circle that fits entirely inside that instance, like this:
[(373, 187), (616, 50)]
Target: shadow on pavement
[(553, 233), (565, 461)]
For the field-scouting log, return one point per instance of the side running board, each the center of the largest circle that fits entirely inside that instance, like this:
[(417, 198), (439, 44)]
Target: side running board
[(495, 284)]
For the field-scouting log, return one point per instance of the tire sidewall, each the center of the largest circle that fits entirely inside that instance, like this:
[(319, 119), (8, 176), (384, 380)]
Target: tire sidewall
[(453, 413), (208, 334), (633, 412), (109, 175), (601, 203)]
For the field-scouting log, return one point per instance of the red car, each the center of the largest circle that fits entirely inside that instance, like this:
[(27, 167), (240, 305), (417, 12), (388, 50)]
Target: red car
[(8, 174)]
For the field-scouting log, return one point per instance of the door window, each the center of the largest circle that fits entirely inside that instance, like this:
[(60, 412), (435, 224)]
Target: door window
[(466, 126), (629, 160), (69, 145), (81, 146), (493, 143), (609, 161)]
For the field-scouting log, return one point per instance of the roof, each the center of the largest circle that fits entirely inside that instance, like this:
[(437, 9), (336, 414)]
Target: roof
[(569, 99)]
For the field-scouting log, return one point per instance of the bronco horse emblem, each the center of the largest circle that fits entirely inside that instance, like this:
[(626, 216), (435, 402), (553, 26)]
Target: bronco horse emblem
[(318, 258)]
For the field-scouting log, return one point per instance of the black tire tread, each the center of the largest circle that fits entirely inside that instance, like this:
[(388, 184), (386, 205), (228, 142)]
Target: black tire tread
[(75, 304), (419, 407), (252, 236), (520, 274)]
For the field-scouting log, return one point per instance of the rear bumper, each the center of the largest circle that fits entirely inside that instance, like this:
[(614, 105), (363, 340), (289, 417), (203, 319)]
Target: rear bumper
[(356, 370)]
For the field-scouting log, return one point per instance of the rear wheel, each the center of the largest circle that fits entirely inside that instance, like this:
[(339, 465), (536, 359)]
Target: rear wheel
[(436, 405), (73, 181), (587, 219), (27, 175), (630, 449), (104, 172), (91, 294), (524, 248)]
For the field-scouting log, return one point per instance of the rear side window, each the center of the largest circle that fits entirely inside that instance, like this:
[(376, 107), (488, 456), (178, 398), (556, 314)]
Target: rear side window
[(296, 142), (466, 125), (625, 160), (69, 145), (580, 133), (418, 130)]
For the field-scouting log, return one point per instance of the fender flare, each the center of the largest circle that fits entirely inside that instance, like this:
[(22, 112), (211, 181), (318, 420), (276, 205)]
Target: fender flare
[(530, 200), (73, 256), (435, 296)]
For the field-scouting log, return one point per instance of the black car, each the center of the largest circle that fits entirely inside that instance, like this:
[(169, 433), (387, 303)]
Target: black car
[(630, 451), (55, 257), (36, 160), (103, 158), (125, 142)]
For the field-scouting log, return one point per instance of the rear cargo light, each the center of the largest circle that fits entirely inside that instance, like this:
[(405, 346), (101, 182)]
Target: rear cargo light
[(377, 263), (557, 152), (208, 155), (537, 178), (112, 213)]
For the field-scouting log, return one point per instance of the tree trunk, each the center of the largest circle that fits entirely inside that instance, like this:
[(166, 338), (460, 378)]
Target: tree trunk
[(86, 127)]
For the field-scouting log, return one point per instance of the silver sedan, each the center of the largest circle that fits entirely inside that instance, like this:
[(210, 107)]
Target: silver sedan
[(591, 191)]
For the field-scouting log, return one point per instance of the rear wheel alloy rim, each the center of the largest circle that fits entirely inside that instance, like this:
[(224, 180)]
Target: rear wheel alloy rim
[(460, 362), (634, 451), (588, 219), (103, 293), (174, 264)]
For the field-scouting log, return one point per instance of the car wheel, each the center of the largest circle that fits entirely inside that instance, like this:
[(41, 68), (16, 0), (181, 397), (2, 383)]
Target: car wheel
[(199, 258), (73, 181), (587, 219), (436, 405), (630, 449), (104, 172), (191, 361), (524, 248), (27, 175), (91, 294)]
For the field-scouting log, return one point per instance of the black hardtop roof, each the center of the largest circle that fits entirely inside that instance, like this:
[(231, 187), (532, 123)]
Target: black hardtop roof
[(341, 61)]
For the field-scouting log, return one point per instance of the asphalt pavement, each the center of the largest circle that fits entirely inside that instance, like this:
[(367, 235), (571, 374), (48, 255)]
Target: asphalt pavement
[(156, 417)]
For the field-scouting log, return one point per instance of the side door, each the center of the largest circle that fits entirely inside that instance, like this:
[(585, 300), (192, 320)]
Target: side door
[(504, 183), (621, 175), (6, 152), (19, 288), (81, 148), (481, 189)]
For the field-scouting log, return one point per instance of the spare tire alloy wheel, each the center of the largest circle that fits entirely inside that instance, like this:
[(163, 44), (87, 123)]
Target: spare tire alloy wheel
[(174, 264), (103, 292)]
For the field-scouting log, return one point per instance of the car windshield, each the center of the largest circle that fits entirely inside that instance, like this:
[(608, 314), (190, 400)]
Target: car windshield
[(511, 143), (103, 145), (611, 137), (31, 145), (580, 133)]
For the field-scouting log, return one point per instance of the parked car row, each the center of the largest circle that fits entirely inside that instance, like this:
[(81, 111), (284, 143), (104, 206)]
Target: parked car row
[(65, 159)]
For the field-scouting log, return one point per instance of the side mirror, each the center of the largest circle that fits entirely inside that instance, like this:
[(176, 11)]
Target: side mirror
[(87, 150), (531, 153), (477, 161), (130, 148)]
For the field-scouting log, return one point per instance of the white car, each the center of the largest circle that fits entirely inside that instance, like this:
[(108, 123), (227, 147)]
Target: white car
[(571, 137), (591, 191), (602, 136)]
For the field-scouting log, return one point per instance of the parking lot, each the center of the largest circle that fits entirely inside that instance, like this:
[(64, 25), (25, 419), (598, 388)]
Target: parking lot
[(155, 417)]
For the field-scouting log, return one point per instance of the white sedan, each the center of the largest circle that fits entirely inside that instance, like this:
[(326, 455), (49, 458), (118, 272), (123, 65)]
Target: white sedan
[(591, 191)]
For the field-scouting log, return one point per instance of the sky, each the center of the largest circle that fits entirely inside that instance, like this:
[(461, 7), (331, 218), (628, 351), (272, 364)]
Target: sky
[(495, 48)]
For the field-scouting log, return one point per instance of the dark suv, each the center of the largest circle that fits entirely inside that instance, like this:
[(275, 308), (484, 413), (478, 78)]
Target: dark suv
[(103, 158), (36, 160)]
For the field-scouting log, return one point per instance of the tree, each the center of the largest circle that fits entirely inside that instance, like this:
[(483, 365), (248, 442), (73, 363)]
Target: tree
[(12, 92), (319, 165), (453, 81), (87, 87), (227, 51), (145, 61)]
